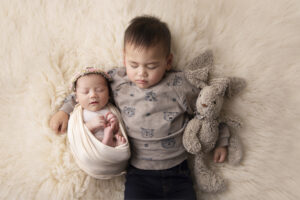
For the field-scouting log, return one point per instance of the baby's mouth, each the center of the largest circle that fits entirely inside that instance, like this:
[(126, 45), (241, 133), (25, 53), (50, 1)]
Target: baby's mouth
[(94, 102)]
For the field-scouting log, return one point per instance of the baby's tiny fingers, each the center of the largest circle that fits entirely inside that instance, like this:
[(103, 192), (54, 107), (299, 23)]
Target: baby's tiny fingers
[(113, 120), (108, 115)]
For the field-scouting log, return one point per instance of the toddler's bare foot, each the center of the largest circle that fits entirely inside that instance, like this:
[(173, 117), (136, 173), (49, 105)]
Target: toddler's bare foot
[(120, 140), (108, 138)]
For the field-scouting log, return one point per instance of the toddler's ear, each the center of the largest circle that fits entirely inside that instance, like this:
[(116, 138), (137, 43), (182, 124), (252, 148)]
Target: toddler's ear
[(169, 61)]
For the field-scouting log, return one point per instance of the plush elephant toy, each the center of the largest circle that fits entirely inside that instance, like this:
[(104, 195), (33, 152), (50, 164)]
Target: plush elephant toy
[(202, 132)]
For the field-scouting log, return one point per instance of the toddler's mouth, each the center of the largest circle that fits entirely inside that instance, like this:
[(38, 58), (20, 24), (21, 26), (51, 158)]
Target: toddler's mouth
[(141, 81)]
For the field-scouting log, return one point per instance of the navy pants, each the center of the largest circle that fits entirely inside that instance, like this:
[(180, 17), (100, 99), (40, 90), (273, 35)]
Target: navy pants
[(173, 183)]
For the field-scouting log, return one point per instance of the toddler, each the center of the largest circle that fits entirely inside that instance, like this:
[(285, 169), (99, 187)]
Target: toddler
[(96, 136)]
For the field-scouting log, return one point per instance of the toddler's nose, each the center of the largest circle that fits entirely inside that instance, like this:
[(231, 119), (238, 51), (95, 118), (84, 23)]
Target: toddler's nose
[(142, 72)]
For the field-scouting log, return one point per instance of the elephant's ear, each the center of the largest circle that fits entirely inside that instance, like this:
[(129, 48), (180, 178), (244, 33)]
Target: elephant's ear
[(197, 77), (235, 86), (228, 86), (197, 70), (203, 60)]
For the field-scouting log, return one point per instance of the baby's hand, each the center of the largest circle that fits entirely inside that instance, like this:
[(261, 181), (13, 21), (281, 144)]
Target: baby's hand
[(220, 154), (112, 121), (96, 123)]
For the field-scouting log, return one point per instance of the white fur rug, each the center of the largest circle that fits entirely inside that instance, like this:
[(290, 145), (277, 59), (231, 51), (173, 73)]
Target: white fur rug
[(44, 42)]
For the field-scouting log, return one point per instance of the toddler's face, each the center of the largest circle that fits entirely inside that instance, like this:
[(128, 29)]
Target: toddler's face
[(146, 66), (92, 92)]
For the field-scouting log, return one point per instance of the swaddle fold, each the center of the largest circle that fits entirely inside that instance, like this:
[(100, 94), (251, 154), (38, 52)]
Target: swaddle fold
[(91, 155)]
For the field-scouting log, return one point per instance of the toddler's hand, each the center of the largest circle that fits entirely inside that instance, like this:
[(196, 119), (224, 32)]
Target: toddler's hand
[(220, 154), (59, 122), (96, 123)]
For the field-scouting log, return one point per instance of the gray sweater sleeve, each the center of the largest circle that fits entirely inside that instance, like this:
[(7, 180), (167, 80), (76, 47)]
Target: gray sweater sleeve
[(224, 135), (69, 104)]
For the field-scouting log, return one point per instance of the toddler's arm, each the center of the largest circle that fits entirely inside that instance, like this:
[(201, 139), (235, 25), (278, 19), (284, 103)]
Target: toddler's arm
[(69, 104), (220, 152), (224, 135), (59, 121)]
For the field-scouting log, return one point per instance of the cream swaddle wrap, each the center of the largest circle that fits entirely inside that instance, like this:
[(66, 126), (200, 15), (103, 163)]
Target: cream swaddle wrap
[(92, 156)]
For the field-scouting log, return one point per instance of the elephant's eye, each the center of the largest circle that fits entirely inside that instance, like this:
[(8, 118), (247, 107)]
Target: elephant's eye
[(215, 102)]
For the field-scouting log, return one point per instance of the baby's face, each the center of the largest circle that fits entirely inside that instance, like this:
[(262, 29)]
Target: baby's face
[(146, 66), (92, 92)]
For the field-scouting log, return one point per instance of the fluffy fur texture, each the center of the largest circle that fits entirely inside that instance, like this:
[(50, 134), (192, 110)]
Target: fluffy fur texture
[(44, 42)]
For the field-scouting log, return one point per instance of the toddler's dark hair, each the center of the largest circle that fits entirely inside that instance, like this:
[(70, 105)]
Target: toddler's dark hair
[(147, 31)]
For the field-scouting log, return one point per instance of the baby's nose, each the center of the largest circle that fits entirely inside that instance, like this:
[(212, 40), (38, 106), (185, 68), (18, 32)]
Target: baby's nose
[(92, 94)]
